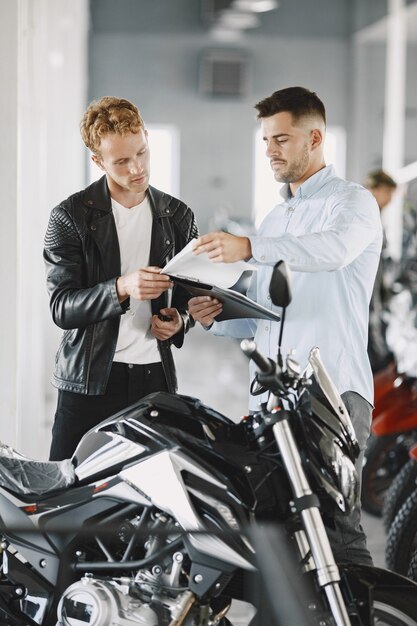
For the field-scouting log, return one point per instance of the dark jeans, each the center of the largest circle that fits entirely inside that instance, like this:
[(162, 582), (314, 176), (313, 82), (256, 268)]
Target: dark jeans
[(77, 413), (348, 539)]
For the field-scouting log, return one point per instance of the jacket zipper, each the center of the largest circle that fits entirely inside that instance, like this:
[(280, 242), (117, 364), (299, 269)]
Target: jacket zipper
[(90, 359)]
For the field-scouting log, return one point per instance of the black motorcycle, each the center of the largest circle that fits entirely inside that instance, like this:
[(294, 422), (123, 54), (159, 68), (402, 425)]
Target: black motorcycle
[(149, 522)]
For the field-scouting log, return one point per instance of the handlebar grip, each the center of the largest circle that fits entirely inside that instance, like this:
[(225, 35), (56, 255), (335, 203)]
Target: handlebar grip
[(249, 348)]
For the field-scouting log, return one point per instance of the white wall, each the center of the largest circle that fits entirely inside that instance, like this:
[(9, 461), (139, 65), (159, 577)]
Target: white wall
[(44, 43), (8, 218)]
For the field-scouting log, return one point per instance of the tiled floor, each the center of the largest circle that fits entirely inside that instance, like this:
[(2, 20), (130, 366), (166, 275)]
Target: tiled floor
[(215, 370)]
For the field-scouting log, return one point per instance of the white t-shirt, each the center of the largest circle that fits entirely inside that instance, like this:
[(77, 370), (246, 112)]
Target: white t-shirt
[(135, 344)]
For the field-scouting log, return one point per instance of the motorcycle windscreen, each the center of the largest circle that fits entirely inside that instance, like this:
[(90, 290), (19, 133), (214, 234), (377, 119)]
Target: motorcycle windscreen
[(331, 463), (333, 398)]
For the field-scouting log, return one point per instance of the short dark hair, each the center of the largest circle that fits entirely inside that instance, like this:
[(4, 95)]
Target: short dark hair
[(298, 101), (377, 178)]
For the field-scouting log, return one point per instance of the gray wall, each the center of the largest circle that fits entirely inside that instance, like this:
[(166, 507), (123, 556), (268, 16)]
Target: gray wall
[(159, 72), (366, 102), (149, 52)]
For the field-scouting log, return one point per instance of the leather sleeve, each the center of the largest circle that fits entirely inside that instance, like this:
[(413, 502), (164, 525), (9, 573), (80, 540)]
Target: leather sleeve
[(73, 302)]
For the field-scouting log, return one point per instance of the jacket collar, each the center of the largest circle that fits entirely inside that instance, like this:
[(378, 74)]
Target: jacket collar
[(160, 202), (97, 196)]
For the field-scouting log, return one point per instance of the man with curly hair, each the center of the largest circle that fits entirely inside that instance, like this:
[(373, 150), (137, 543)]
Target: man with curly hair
[(104, 250)]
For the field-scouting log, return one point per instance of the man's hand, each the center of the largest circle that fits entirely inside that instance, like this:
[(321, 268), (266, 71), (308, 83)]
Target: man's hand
[(166, 329), (204, 309), (144, 284), (224, 247)]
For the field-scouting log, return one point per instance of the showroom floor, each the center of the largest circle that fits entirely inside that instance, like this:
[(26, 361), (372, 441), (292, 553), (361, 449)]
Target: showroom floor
[(215, 370)]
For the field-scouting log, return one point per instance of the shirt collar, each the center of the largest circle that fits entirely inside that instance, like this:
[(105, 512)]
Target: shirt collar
[(311, 185)]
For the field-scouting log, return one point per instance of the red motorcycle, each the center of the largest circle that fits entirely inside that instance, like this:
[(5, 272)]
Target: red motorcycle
[(385, 381), (393, 433)]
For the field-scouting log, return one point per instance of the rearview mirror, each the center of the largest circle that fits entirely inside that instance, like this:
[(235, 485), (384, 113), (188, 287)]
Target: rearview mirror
[(280, 285)]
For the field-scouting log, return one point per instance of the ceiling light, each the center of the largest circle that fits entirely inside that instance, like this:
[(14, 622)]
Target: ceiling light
[(255, 6)]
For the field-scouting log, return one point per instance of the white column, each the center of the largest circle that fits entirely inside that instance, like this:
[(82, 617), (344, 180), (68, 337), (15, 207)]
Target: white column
[(394, 118), (8, 219), (52, 62)]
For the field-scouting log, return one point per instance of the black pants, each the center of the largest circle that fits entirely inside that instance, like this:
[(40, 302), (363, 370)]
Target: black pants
[(77, 413)]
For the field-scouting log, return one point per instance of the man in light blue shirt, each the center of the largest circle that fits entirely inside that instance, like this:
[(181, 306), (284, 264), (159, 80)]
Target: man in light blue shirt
[(329, 232)]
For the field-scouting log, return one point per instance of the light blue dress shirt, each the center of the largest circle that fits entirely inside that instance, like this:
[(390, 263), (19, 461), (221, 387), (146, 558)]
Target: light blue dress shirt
[(330, 235)]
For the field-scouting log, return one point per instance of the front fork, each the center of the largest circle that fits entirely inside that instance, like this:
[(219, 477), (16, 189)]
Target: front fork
[(306, 502)]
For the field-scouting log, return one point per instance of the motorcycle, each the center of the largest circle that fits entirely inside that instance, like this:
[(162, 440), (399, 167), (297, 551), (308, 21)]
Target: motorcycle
[(393, 433), (412, 568), (402, 536), (400, 518), (401, 488), (148, 522), (394, 424)]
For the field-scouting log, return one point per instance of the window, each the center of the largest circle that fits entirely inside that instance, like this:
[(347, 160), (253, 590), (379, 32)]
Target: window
[(266, 189)]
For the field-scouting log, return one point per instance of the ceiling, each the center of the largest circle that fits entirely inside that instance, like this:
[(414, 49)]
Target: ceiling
[(297, 18)]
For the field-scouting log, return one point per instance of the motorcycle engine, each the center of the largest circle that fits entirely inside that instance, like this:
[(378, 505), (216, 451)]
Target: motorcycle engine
[(100, 603)]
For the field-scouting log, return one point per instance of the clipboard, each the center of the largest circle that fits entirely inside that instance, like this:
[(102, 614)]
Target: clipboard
[(235, 305)]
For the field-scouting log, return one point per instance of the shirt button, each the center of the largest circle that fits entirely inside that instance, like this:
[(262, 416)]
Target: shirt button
[(266, 328), (268, 297), (167, 242), (166, 210), (263, 258), (94, 227), (130, 365)]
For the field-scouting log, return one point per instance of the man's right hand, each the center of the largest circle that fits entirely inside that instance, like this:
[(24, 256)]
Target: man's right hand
[(144, 284), (204, 309)]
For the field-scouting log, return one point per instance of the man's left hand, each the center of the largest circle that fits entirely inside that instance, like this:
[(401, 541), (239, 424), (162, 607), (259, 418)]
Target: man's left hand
[(224, 247), (165, 329)]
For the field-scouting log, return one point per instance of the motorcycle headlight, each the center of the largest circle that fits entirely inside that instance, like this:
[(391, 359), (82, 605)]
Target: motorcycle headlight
[(332, 467), (347, 479)]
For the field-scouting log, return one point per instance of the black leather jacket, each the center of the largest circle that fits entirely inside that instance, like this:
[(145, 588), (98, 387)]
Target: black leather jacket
[(82, 258)]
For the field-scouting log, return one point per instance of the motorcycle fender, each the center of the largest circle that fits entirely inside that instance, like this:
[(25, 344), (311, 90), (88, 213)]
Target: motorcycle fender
[(361, 579), (378, 577), (398, 419)]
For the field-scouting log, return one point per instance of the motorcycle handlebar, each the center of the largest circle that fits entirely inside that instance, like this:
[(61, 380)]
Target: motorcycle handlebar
[(265, 365)]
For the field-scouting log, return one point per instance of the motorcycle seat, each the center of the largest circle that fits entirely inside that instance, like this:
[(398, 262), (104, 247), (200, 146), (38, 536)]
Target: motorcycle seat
[(24, 476)]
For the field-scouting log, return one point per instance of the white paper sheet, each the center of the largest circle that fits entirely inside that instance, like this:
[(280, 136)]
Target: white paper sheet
[(200, 268)]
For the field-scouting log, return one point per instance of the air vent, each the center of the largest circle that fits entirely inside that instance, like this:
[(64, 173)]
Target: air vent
[(224, 73)]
